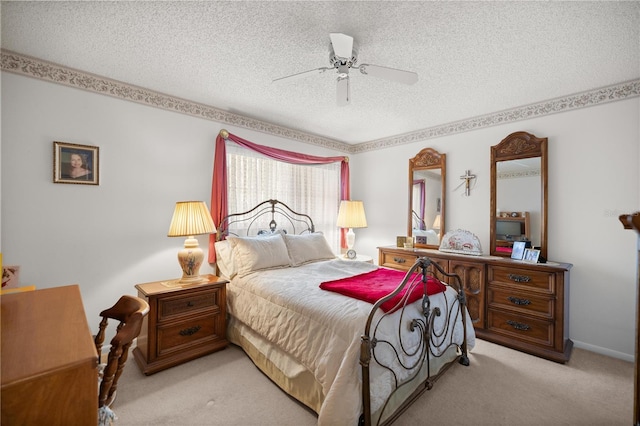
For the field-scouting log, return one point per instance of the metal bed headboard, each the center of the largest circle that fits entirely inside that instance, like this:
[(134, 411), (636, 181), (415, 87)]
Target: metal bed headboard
[(252, 221)]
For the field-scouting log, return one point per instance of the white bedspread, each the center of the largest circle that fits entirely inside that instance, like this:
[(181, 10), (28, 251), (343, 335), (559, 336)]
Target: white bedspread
[(320, 329)]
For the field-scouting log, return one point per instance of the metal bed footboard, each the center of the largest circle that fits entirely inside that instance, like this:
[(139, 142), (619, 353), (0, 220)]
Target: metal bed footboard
[(430, 341)]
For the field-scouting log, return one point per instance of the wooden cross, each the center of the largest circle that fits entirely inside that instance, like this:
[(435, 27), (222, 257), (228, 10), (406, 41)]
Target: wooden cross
[(467, 177)]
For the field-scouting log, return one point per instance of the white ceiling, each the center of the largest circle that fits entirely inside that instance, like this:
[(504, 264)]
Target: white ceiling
[(472, 58)]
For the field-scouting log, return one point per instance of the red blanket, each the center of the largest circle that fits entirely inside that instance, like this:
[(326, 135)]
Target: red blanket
[(373, 286)]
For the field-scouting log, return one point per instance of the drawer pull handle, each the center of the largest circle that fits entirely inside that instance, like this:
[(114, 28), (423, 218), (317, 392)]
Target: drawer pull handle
[(518, 325), (190, 331), (399, 260), (517, 301), (519, 278), (190, 303)]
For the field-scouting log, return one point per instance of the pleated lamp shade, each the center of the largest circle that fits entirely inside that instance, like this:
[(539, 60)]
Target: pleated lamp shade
[(191, 218), (351, 215)]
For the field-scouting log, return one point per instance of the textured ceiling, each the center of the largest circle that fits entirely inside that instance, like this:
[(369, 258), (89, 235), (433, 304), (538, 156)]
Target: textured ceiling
[(472, 58)]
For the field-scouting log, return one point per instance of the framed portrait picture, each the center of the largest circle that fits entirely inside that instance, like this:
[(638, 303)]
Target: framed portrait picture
[(518, 250), (10, 276), (73, 163), (531, 255)]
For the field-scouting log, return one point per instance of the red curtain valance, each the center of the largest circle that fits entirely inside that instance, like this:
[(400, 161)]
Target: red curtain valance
[(219, 195)]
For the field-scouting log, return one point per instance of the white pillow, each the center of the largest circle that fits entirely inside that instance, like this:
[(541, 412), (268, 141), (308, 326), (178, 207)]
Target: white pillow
[(256, 253), (225, 259), (307, 248)]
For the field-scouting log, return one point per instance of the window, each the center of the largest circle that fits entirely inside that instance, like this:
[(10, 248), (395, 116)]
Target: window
[(309, 189)]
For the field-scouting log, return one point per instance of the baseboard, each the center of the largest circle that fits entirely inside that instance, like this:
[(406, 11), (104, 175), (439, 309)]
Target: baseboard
[(603, 351)]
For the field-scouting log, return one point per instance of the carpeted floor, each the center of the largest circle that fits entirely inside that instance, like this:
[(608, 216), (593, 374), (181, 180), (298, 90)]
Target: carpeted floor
[(500, 387)]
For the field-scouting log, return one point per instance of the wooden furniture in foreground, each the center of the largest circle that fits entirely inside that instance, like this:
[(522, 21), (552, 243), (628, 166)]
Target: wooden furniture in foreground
[(524, 306), (129, 311), (632, 221), (49, 361), (184, 322)]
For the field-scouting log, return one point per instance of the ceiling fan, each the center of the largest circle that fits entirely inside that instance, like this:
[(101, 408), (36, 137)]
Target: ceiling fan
[(343, 56)]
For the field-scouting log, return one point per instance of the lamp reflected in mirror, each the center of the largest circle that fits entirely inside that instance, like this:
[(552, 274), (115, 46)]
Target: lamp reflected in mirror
[(436, 223)]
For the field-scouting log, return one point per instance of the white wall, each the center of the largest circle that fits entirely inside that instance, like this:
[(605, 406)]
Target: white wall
[(109, 237), (594, 157), (105, 238)]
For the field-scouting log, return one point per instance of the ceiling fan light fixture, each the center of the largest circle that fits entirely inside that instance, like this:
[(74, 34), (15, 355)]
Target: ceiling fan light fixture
[(343, 55), (343, 71)]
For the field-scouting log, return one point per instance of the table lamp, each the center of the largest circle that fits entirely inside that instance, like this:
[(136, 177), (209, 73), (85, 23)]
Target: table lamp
[(191, 218), (351, 215), (436, 222)]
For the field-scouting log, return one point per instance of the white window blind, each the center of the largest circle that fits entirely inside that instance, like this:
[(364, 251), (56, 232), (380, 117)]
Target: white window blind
[(310, 189)]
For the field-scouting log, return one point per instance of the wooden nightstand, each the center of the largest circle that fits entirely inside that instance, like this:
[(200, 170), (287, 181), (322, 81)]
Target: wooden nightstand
[(183, 323)]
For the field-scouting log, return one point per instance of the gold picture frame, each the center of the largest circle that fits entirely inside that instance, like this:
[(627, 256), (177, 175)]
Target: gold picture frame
[(76, 164)]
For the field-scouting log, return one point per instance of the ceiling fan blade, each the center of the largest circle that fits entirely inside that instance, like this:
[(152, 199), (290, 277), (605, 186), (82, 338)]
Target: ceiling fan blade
[(302, 74), (392, 74), (343, 94), (342, 45)]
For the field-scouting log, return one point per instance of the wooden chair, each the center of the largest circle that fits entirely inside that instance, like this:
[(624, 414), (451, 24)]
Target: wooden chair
[(129, 311)]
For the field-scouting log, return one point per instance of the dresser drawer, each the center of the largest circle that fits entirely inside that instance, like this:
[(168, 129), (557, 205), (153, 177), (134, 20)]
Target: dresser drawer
[(178, 335), (523, 302), (402, 261), (173, 306), (527, 329), (524, 278)]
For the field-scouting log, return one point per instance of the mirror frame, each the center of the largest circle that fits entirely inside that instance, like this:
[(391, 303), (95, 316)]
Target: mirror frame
[(516, 146), (428, 159)]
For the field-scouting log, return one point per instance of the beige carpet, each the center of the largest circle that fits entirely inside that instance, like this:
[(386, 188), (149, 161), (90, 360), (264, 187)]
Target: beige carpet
[(500, 387)]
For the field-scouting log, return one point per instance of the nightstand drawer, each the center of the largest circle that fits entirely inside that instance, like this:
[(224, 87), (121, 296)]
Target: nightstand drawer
[(176, 336), (525, 278), (526, 329), (522, 302), (402, 261), (186, 304)]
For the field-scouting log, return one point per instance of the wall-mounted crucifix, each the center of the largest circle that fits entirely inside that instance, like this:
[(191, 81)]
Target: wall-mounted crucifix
[(467, 179)]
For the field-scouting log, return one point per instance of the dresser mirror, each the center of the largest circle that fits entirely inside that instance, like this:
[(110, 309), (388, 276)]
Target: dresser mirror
[(427, 173), (519, 194)]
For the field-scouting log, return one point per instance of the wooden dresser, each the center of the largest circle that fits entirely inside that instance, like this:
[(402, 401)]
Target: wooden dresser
[(524, 306), (49, 361), (183, 323)]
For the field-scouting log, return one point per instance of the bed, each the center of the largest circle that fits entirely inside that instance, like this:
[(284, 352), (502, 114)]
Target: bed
[(351, 361)]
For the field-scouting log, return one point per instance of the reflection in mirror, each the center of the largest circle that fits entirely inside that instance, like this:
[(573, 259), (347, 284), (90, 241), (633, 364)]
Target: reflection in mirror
[(426, 198), (518, 193), (518, 197)]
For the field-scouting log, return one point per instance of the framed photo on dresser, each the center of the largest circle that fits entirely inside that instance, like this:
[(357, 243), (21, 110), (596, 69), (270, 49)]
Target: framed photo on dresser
[(531, 255), (518, 250)]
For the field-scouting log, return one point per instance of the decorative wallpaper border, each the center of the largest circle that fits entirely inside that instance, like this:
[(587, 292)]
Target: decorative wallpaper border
[(516, 175), (24, 65), (617, 92)]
